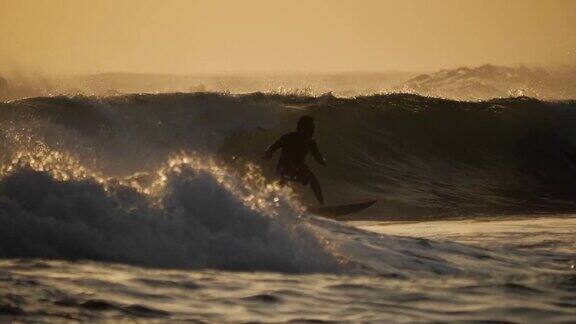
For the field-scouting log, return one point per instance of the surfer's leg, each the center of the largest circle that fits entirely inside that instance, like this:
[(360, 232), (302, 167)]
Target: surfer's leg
[(316, 188), (281, 172)]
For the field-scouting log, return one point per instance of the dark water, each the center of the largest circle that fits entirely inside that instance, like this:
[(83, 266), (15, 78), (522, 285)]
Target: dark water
[(455, 271)]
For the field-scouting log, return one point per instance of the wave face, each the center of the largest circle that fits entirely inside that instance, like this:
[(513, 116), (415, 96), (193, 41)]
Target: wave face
[(428, 157), (125, 194), (421, 157)]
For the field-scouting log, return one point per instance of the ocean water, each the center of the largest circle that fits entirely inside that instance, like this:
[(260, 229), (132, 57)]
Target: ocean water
[(158, 208), (493, 272)]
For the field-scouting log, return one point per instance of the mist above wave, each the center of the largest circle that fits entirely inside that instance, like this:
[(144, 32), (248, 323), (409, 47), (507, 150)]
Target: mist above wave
[(464, 83), (490, 81)]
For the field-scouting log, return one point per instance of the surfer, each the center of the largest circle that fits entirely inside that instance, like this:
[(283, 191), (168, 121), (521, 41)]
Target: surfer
[(295, 146)]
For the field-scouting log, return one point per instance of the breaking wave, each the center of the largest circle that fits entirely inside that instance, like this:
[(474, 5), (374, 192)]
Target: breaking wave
[(195, 214), (175, 180), (190, 214)]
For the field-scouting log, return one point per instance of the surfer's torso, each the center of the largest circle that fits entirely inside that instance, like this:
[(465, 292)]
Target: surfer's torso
[(295, 146)]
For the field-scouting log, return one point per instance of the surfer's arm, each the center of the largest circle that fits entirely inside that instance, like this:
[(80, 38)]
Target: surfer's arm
[(316, 154), (273, 148)]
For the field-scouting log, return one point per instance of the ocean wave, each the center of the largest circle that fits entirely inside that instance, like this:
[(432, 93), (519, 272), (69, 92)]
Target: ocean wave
[(419, 156), (194, 213)]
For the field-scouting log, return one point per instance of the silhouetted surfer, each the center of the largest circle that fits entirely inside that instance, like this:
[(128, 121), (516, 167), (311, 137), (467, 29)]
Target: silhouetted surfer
[(295, 146)]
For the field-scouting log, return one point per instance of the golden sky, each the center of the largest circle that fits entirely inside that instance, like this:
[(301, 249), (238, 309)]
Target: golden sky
[(187, 36)]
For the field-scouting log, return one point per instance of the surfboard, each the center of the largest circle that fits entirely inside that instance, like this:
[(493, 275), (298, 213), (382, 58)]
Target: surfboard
[(340, 210)]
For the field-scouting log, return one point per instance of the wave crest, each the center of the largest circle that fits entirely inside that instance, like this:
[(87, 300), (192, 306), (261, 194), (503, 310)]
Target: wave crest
[(192, 214)]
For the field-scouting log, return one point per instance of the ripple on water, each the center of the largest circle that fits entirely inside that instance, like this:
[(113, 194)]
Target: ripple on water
[(157, 283), (99, 305), (264, 298)]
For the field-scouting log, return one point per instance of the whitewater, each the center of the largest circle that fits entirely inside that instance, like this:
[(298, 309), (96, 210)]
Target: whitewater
[(157, 207)]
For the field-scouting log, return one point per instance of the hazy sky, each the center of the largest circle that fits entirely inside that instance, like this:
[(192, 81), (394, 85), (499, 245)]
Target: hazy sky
[(187, 36)]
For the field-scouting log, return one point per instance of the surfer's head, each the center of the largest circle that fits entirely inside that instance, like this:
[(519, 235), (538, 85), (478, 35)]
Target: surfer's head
[(305, 125)]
